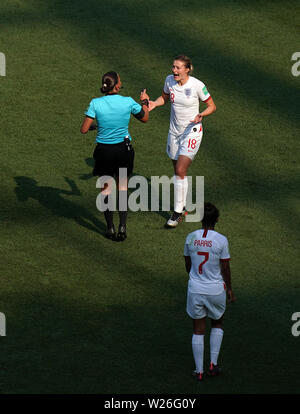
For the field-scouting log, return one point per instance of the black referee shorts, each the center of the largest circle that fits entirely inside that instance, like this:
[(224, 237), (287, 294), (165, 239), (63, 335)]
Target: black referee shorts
[(110, 157)]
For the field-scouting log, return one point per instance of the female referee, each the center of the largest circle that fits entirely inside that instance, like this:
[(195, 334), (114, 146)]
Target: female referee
[(113, 150), (185, 131)]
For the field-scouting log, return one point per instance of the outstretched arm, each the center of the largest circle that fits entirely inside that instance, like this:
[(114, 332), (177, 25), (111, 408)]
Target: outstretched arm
[(161, 100)]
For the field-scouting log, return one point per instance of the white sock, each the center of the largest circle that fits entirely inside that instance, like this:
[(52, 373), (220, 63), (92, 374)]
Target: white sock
[(198, 351), (216, 336), (180, 193), (185, 189)]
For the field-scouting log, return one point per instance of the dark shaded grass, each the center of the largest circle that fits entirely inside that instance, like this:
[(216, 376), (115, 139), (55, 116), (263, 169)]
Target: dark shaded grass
[(83, 313)]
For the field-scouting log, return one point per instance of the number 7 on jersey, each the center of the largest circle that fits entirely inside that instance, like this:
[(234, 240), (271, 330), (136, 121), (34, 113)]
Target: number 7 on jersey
[(206, 256)]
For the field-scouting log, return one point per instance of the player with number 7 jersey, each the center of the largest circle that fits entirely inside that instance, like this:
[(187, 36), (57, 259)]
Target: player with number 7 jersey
[(206, 255), (206, 248)]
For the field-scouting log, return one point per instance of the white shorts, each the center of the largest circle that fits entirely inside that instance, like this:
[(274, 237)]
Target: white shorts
[(199, 306), (185, 144)]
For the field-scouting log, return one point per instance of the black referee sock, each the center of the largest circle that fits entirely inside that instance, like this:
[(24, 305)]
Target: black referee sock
[(123, 207), (109, 217), (123, 218)]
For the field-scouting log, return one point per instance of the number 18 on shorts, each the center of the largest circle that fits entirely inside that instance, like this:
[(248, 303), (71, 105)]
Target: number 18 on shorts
[(187, 145)]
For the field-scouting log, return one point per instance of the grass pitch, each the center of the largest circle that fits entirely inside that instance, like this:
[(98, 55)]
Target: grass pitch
[(86, 315)]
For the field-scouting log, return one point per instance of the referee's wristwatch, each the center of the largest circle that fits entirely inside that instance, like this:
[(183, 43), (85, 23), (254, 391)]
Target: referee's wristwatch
[(145, 102)]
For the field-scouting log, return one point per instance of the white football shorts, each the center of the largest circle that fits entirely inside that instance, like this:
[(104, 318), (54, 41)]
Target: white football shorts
[(185, 144), (199, 306)]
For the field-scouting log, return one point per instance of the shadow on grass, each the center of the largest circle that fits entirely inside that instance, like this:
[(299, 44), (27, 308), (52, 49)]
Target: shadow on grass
[(90, 163), (163, 213), (93, 350), (52, 199), (120, 30), (245, 79), (57, 344)]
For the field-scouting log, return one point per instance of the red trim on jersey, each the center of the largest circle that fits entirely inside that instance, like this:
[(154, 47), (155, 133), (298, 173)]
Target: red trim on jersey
[(225, 260), (204, 233), (207, 99)]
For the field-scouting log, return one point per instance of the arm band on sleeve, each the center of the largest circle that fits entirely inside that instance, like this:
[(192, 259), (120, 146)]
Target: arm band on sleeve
[(140, 115)]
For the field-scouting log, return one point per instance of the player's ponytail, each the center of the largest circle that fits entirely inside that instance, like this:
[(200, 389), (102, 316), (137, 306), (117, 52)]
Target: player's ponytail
[(109, 81), (187, 62)]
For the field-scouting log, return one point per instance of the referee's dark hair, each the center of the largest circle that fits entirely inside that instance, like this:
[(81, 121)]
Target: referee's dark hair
[(211, 215), (109, 81)]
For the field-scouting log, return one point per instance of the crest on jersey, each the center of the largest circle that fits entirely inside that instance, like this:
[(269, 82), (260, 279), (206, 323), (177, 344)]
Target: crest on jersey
[(188, 92)]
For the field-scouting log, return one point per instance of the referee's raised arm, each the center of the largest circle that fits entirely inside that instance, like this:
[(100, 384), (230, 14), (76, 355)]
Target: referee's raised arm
[(144, 114)]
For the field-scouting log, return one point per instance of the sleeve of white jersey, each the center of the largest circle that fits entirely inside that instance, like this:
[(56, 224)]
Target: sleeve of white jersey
[(186, 247), (225, 250), (202, 91), (166, 86)]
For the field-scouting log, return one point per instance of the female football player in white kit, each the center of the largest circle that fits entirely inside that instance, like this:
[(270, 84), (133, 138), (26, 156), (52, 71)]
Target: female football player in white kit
[(185, 132), (207, 257)]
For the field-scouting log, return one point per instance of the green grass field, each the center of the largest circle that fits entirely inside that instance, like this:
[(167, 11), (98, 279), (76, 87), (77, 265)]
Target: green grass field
[(86, 315)]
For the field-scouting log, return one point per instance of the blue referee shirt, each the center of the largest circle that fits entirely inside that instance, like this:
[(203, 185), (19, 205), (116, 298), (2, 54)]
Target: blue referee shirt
[(112, 113)]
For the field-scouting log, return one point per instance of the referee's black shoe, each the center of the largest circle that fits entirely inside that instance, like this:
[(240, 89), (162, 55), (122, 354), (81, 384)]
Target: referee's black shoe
[(121, 236), (111, 233)]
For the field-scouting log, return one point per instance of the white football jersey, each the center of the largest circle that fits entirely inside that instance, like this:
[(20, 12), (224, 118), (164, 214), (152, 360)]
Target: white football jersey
[(206, 248), (184, 103)]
